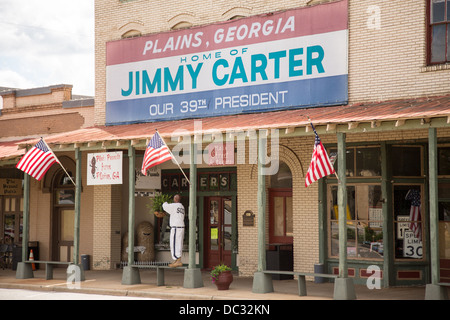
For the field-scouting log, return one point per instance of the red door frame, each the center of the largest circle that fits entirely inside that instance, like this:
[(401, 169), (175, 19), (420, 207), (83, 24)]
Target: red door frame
[(279, 192)]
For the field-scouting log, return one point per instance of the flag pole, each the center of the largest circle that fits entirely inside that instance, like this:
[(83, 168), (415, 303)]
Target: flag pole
[(173, 157), (57, 160)]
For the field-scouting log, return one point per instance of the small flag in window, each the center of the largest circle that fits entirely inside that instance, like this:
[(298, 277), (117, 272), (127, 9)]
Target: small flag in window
[(413, 195)]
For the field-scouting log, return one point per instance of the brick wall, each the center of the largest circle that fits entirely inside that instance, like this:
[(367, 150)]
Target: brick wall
[(39, 219), (41, 111), (106, 226), (45, 96), (393, 66), (41, 124)]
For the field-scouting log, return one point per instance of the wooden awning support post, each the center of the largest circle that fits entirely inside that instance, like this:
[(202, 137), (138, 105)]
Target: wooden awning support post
[(262, 283), (25, 270), (342, 205), (131, 275), (79, 276), (343, 286), (192, 275)]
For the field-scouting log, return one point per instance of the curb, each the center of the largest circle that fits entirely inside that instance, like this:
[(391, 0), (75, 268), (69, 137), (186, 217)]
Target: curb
[(119, 292)]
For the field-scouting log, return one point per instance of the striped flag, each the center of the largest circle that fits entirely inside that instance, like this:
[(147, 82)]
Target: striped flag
[(321, 165), (37, 160), (157, 152), (414, 213)]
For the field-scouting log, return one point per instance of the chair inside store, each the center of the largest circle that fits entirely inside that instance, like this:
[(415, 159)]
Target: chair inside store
[(5, 255)]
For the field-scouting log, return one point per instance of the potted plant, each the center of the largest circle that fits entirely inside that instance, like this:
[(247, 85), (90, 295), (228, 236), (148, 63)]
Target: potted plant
[(221, 276), (158, 201)]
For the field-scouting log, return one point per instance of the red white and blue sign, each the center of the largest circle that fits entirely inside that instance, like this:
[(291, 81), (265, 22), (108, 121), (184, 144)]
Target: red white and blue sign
[(292, 59)]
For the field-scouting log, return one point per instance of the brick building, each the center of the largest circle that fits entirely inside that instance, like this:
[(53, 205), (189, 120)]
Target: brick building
[(26, 114), (384, 105)]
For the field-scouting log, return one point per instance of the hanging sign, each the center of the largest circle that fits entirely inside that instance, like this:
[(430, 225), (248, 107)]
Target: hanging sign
[(292, 59), (152, 181), (104, 168), (412, 246), (10, 187), (402, 226)]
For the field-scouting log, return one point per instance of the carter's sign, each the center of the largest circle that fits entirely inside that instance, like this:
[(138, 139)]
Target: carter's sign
[(292, 59)]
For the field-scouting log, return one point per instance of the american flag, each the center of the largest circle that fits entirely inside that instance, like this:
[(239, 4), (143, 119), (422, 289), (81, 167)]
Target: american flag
[(37, 160), (157, 152), (321, 165), (414, 213)]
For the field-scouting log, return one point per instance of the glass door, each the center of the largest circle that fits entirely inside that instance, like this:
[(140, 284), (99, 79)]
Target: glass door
[(63, 218), (218, 235)]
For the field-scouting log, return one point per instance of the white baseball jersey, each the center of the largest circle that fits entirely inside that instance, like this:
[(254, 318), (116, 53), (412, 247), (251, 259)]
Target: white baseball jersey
[(176, 211)]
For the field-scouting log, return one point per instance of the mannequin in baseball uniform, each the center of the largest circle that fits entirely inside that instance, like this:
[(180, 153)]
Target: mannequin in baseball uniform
[(176, 222)]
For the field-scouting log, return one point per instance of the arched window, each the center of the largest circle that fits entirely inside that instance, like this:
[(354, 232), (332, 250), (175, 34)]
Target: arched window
[(182, 25), (283, 178), (131, 34)]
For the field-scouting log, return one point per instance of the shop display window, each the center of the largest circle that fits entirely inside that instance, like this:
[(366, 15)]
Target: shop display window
[(407, 161), (444, 161), (12, 219), (364, 221), (361, 161), (408, 221)]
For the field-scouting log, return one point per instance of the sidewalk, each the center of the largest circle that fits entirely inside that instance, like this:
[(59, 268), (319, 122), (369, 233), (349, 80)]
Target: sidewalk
[(109, 283)]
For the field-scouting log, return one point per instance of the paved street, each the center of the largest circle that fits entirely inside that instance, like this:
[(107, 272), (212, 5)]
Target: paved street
[(19, 294)]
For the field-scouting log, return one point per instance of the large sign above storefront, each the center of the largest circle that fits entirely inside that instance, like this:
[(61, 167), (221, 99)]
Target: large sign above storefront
[(291, 59)]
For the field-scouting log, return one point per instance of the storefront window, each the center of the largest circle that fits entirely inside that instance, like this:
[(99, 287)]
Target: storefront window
[(444, 230), (408, 226), (368, 162), (364, 221), (11, 209), (444, 161), (361, 161), (9, 229), (407, 161)]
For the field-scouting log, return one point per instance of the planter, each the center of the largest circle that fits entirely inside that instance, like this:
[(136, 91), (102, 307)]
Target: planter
[(159, 214), (224, 280)]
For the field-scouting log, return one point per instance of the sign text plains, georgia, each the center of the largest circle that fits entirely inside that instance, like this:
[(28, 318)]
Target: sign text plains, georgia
[(256, 64)]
